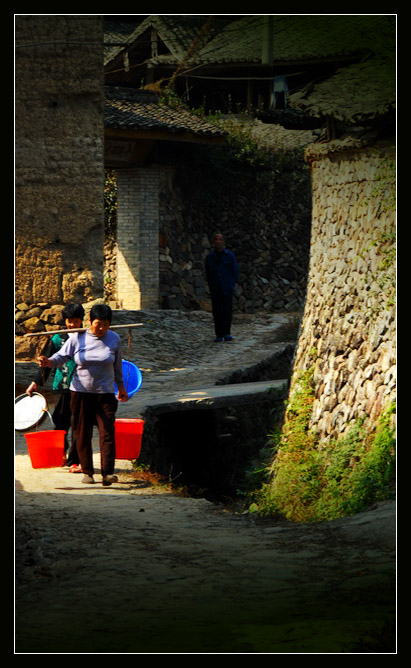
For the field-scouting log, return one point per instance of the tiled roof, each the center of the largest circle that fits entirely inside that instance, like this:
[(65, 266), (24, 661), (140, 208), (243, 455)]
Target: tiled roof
[(277, 137), (115, 33), (296, 38), (365, 90), (178, 32), (138, 109)]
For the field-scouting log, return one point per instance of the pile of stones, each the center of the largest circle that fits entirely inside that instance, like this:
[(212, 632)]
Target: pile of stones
[(41, 317)]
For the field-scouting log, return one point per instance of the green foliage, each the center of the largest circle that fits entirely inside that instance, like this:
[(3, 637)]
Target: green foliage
[(242, 147), (241, 157), (310, 481), (169, 98), (359, 470), (384, 188), (384, 279), (381, 280), (110, 204)]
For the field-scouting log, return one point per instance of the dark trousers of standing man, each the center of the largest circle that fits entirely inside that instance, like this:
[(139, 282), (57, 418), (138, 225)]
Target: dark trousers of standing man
[(222, 312), (87, 409)]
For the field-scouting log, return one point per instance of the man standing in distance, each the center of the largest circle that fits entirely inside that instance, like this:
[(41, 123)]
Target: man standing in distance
[(221, 269)]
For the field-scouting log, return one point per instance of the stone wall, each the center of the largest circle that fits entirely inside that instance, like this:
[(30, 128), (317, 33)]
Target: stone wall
[(59, 158), (167, 214), (40, 317), (348, 331), (227, 441), (265, 221)]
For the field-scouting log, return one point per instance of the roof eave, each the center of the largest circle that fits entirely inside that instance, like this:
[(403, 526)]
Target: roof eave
[(159, 134)]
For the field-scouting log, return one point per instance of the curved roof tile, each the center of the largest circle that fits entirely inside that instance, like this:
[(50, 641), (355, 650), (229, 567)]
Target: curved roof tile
[(139, 109)]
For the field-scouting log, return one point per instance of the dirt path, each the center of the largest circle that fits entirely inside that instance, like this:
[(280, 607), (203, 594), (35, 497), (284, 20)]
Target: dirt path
[(132, 568)]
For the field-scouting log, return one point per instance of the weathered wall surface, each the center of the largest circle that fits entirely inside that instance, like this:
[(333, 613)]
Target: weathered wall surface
[(266, 222), (349, 328), (137, 238), (59, 158)]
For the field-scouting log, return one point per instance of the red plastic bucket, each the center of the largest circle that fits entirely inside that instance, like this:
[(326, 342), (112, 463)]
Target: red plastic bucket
[(129, 433), (46, 448)]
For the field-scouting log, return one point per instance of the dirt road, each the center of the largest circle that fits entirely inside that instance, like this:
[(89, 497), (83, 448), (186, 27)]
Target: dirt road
[(134, 569)]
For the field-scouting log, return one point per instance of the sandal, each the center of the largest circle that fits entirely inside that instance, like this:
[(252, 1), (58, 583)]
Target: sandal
[(75, 468)]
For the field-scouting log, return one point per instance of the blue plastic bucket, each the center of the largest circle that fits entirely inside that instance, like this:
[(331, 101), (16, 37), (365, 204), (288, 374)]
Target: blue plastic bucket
[(132, 378)]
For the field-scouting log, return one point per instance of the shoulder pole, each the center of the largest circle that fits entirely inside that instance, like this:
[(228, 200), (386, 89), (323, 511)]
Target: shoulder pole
[(80, 329)]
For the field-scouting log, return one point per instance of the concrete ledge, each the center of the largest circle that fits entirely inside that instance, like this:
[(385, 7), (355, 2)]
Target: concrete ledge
[(216, 396), (207, 437)]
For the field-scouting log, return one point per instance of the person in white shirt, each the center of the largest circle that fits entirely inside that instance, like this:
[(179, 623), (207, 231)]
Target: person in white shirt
[(98, 357)]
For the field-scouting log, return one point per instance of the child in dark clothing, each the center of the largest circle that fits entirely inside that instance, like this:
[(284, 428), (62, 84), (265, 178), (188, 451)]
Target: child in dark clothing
[(73, 315)]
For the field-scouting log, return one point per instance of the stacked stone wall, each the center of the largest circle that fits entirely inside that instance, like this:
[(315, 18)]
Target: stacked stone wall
[(40, 317), (265, 223), (59, 158), (348, 332)]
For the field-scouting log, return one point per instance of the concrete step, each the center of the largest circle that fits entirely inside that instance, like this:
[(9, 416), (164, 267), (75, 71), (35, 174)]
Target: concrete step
[(215, 396)]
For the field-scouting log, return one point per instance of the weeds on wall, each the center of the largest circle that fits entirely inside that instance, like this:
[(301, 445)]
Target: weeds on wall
[(110, 232), (279, 168), (309, 481), (284, 168), (110, 204), (381, 282)]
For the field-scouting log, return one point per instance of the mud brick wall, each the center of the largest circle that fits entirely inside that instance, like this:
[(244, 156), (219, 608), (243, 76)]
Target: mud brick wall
[(59, 158), (349, 326)]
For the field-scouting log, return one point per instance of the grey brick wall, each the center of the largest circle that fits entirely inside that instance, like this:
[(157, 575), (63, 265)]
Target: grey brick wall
[(137, 238)]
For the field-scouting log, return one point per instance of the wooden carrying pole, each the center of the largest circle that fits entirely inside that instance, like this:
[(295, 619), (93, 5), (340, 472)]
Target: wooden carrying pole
[(80, 329)]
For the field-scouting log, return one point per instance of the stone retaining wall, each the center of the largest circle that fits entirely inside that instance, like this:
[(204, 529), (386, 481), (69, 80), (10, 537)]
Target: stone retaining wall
[(264, 215), (348, 331), (40, 317), (266, 224), (209, 448)]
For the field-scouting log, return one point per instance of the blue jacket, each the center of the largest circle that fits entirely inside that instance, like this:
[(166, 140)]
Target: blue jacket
[(223, 273)]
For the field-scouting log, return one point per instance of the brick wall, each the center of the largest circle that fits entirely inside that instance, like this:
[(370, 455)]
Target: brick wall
[(137, 238), (167, 214)]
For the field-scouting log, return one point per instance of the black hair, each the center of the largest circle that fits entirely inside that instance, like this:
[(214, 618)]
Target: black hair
[(100, 312), (73, 311)]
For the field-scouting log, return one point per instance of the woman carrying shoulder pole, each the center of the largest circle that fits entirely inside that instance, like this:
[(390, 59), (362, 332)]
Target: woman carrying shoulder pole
[(98, 357)]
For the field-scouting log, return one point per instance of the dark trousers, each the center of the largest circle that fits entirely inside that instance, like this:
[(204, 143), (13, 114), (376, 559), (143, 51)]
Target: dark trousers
[(222, 312), (88, 409), (62, 420)]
